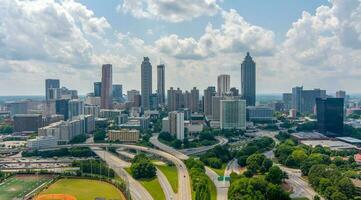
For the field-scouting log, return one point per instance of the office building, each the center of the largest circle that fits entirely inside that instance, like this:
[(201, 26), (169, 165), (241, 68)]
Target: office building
[(175, 99), (330, 116), (176, 124), (76, 108), (194, 100), (92, 100), (304, 101), (165, 125), (140, 123), (260, 114), (223, 84), (153, 101), (93, 110), (27, 122), (62, 108), (42, 142), (216, 105), (124, 135), (233, 114), (209, 93), (234, 91), (64, 131), (98, 89), (15, 108), (50, 83), (248, 80), (296, 98), (161, 84), (106, 89), (62, 93), (146, 83), (341, 94), (287, 100), (118, 92), (131, 94), (48, 108)]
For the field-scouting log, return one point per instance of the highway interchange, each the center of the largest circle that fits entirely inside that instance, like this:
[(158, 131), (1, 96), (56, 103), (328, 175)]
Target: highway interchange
[(301, 188)]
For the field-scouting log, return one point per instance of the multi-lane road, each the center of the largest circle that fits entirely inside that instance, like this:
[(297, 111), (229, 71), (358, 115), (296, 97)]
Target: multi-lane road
[(184, 187)]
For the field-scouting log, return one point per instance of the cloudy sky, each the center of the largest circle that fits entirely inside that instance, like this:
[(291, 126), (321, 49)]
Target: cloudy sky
[(314, 43)]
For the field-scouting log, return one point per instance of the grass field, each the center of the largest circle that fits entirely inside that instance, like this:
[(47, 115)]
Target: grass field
[(152, 186), (84, 189), (220, 172), (171, 173), (20, 185)]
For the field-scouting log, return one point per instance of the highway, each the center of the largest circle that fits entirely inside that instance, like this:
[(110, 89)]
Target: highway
[(164, 183), (222, 186), (137, 191), (198, 150), (232, 166), (184, 186)]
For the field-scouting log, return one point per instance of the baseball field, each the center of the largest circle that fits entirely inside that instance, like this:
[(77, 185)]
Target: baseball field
[(80, 189), (16, 187)]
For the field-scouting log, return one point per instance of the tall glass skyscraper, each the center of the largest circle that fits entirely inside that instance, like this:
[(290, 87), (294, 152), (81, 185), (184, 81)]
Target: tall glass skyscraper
[(146, 83), (97, 89), (161, 84), (248, 80), (106, 100)]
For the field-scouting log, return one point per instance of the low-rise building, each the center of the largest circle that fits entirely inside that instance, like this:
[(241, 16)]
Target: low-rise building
[(140, 123), (124, 135), (42, 142), (260, 114), (27, 122), (64, 131)]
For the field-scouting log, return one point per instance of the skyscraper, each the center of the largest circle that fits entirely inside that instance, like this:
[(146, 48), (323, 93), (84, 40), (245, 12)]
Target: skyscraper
[(49, 84), (330, 116), (146, 83), (62, 108), (97, 89), (117, 92), (207, 100), (233, 114), (75, 108), (161, 84), (131, 94), (223, 84), (296, 98), (248, 80), (106, 91), (194, 104), (175, 99)]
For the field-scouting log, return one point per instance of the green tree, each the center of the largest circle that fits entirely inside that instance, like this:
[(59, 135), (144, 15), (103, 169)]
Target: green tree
[(275, 175)]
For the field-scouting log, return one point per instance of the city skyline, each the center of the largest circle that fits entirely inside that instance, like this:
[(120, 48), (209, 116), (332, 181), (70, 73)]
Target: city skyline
[(309, 46)]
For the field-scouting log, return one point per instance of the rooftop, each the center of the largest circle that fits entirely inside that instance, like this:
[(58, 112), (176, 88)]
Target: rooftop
[(349, 139)]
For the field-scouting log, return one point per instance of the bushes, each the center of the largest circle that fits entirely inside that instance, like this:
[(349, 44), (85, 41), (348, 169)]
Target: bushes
[(256, 146), (331, 183), (99, 135), (256, 188), (78, 139), (200, 183), (142, 167), (216, 157), (94, 167), (75, 152)]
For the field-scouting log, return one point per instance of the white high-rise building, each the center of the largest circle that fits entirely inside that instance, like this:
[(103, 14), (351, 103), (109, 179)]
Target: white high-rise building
[(176, 124), (223, 84), (233, 114)]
